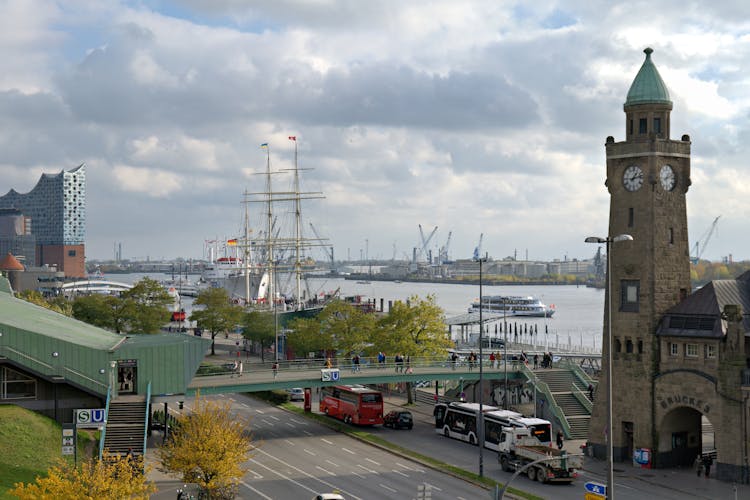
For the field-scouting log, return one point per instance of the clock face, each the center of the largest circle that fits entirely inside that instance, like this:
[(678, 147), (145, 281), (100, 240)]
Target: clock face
[(667, 178), (632, 179)]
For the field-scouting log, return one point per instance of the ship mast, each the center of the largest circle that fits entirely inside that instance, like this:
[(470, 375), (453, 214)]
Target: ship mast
[(297, 227), (246, 253), (269, 229)]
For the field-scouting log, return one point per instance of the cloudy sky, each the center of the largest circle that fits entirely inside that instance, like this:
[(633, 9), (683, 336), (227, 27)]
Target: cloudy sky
[(476, 117)]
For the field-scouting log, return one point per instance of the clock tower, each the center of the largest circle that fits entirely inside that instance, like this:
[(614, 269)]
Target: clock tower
[(648, 175)]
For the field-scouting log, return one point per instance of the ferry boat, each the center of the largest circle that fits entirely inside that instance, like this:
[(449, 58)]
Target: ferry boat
[(513, 306)]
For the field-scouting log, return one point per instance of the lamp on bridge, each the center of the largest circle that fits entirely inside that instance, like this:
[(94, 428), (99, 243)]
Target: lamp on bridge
[(480, 419), (610, 453)]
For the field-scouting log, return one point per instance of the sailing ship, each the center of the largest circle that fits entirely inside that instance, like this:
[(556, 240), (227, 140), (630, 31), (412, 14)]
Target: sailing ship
[(268, 269)]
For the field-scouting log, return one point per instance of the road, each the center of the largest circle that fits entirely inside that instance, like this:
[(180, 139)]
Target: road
[(298, 458)]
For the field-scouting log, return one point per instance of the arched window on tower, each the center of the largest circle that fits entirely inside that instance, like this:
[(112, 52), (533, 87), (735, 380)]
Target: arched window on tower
[(618, 345), (629, 346)]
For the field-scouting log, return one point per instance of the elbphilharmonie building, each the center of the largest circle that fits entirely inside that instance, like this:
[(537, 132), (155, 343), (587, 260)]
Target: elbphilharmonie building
[(56, 211)]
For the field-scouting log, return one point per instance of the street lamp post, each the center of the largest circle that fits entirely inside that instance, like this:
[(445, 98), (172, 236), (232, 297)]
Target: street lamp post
[(610, 448), (505, 356), (480, 419)]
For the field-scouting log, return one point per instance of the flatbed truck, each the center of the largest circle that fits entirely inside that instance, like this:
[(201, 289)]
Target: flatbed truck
[(518, 449)]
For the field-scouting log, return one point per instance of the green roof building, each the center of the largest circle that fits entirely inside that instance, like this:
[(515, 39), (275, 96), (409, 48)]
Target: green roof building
[(53, 364)]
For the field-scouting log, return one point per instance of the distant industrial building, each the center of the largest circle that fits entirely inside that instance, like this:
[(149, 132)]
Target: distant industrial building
[(50, 219)]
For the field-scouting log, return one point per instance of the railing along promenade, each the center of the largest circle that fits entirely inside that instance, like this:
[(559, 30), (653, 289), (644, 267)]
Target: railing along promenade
[(310, 373)]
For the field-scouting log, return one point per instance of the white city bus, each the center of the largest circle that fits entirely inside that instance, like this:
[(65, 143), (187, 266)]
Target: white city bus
[(494, 422), (459, 421)]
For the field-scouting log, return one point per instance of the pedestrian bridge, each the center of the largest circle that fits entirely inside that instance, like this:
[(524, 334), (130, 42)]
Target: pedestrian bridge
[(262, 377)]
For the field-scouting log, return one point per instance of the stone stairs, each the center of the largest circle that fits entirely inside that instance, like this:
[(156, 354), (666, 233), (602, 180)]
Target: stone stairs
[(126, 424), (562, 384)]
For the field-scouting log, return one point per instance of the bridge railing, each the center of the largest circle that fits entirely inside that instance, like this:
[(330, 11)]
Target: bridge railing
[(366, 364)]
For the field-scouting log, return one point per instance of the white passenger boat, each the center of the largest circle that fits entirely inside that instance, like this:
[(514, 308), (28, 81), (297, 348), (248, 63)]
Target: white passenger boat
[(513, 306)]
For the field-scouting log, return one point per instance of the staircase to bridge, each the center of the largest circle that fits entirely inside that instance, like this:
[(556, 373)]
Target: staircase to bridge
[(126, 425), (563, 385)]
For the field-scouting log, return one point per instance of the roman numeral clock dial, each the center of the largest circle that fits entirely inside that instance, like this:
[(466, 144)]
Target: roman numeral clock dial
[(632, 178)]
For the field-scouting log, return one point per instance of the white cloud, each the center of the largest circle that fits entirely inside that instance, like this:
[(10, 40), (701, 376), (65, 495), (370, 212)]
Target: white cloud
[(477, 117)]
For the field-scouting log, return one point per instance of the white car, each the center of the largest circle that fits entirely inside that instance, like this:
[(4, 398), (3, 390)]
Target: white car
[(328, 496), (296, 394)]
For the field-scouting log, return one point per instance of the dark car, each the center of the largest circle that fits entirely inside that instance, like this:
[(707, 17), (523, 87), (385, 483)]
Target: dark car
[(398, 420)]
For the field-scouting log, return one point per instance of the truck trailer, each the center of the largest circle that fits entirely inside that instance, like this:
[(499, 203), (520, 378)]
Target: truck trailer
[(518, 449)]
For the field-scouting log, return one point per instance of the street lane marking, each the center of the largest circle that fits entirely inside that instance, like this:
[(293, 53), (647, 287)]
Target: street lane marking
[(399, 472), (368, 470), (310, 452), (289, 442), (282, 475), (243, 404), (274, 417), (348, 451), (299, 422), (290, 424), (326, 483), (433, 486), (255, 491), (324, 470), (257, 476), (387, 488), (410, 468), (308, 433), (372, 461), (326, 441), (332, 463), (358, 474), (260, 411), (266, 422)]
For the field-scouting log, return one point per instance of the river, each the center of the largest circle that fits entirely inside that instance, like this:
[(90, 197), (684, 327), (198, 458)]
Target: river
[(578, 318)]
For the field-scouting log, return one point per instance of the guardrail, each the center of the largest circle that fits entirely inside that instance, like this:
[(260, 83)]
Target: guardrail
[(106, 419), (148, 421)]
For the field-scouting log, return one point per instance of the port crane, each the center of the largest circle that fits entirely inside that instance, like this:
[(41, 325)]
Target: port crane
[(328, 248), (700, 245), (478, 248), (443, 252), (426, 242)]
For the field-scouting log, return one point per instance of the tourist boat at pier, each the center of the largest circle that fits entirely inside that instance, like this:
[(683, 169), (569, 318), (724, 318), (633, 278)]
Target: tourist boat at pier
[(513, 306)]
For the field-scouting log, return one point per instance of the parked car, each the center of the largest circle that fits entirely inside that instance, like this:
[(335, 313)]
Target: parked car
[(296, 394), (328, 496), (398, 419)]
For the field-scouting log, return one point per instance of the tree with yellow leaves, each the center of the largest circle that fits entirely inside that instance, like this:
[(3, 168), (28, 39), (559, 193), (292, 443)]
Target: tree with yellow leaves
[(111, 478), (208, 448)]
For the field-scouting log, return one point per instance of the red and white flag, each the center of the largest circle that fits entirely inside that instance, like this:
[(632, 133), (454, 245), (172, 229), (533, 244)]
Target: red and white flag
[(292, 137)]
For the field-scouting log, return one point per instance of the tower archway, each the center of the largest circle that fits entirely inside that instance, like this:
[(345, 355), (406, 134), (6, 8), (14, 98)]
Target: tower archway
[(683, 433)]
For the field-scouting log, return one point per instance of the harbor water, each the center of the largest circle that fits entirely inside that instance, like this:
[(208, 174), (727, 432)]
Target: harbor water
[(577, 322)]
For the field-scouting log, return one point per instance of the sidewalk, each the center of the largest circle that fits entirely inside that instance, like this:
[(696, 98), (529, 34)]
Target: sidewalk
[(684, 481)]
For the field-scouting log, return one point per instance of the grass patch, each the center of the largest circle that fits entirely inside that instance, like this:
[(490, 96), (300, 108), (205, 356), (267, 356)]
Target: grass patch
[(436, 464), (31, 443)]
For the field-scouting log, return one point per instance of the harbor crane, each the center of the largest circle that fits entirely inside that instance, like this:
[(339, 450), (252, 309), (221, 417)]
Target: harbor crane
[(478, 249), (700, 245), (443, 252), (328, 248), (426, 242)]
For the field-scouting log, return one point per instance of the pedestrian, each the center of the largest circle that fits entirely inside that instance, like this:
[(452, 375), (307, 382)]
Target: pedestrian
[(707, 462), (235, 366), (698, 465), (493, 361), (275, 368), (536, 361), (399, 359), (497, 360), (381, 359), (355, 363), (328, 363), (550, 360), (239, 370), (591, 392), (454, 358), (559, 440), (408, 364)]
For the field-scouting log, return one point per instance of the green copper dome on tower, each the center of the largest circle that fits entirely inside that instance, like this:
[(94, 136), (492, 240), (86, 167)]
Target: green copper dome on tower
[(648, 87)]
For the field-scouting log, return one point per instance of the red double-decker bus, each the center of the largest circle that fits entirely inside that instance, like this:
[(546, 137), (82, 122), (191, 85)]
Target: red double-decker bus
[(354, 404)]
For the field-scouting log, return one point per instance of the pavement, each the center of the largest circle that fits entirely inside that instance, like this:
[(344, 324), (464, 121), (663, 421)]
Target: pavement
[(682, 480)]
